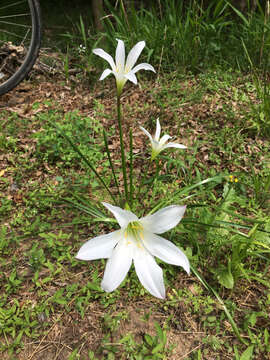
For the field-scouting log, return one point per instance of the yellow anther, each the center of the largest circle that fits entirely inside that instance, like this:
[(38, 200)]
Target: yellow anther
[(236, 180)]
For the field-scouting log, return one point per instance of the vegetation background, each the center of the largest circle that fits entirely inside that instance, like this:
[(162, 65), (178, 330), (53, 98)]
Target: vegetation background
[(212, 92)]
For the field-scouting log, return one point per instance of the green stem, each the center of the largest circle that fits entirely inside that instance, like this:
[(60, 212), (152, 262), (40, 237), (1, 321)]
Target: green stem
[(123, 158), (110, 161), (131, 168), (158, 167)]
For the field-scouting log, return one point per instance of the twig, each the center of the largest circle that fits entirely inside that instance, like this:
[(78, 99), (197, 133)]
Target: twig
[(44, 337), (191, 351)]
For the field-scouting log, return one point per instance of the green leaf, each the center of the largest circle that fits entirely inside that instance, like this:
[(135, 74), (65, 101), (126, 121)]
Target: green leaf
[(60, 301), (266, 337), (148, 339), (247, 354), (159, 332), (245, 20), (226, 279), (157, 348), (93, 286)]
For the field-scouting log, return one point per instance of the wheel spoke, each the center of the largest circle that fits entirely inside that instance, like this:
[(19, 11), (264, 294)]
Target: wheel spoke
[(19, 40)]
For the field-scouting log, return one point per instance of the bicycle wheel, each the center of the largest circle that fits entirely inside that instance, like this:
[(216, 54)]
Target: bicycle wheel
[(20, 37)]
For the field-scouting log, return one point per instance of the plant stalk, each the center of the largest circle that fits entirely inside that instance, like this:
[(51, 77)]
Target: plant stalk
[(131, 168), (123, 157)]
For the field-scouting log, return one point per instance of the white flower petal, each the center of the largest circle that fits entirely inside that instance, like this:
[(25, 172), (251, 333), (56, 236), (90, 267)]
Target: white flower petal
[(156, 146), (158, 129), (99, 247), (105, 56), (120, 56), (133, 55), (164, 219), (174, 145), (120, 78), (132, 77), (165, 250), (143, 66), (163, 140), (105, 73), (117, 266), (122, 216), (146, 133), (149, 273)]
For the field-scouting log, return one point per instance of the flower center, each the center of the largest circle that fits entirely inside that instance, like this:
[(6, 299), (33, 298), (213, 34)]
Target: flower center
[(134, 231)]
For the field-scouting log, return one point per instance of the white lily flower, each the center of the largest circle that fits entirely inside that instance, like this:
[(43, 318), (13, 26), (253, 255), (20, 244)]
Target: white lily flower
[(160, 144), (137, 241), (122, 70)]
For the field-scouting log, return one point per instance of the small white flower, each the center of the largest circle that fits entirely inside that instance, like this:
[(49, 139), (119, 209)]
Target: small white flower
[(137, 241), (81, 49), (160, 144), (122, 70)]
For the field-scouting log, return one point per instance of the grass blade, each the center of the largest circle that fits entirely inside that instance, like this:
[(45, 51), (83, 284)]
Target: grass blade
[(78, 151), (185, 190), (209, 288)]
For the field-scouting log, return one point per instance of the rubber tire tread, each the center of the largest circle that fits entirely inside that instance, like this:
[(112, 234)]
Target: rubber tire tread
[(32, 54)]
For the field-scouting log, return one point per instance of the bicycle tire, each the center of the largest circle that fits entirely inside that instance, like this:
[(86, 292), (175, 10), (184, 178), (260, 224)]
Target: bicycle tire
[(31, 50)]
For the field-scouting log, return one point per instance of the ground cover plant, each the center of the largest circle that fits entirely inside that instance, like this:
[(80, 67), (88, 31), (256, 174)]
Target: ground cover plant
[(52, 305)]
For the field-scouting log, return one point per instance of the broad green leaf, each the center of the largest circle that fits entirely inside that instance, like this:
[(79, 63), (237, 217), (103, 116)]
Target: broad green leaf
[(226, 279), (247, 354), (159, 331), (148, 339), (157, 348)]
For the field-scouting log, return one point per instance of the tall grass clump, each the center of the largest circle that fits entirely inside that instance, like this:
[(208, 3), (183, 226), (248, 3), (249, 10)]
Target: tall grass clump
[(191, 36)]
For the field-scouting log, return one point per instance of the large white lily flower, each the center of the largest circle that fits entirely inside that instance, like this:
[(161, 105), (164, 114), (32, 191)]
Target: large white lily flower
[(122, 70), (136, 241), (160, 144)]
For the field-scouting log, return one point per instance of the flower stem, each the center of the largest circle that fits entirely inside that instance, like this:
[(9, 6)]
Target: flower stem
[(131, 167), (123, 158), (110, 161), (158, 167)]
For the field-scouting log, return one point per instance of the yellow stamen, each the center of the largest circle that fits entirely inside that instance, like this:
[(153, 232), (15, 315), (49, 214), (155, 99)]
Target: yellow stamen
[(134, 231)]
